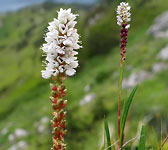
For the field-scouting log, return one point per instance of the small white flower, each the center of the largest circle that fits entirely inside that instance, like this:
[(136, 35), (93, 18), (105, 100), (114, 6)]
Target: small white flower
[(123, 14), (63, 29), (68, 43), (62, 40), (70, 72), (60, 50), (61, 68), (46, 74)]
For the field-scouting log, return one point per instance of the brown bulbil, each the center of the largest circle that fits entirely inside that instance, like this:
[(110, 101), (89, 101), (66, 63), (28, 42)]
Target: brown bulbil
[(124, 34), (124, 25), (54, 88), (59, 114)]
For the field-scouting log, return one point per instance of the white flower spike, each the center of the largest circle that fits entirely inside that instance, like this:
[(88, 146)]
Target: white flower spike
[(123, 14), (62, 40)]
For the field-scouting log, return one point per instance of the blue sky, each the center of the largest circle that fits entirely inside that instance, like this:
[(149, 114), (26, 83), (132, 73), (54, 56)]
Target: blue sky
[(12, 5)]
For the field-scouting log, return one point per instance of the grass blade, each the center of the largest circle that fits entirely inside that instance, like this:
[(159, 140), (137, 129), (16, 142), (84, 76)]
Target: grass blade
[(125, 114), (142, 139), (107, 134)]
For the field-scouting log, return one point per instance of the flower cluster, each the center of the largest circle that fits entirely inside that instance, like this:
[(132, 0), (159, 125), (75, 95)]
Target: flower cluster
[(123, 17), (62, 40), (123, 14)]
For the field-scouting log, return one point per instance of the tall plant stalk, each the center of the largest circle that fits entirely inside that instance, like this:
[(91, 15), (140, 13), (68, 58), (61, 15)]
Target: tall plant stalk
[(123, 17), (61, 40)]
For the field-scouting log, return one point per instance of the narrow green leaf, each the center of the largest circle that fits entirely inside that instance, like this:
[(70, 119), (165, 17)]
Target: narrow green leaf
[(107, 134), (125, 114), (142, 139)]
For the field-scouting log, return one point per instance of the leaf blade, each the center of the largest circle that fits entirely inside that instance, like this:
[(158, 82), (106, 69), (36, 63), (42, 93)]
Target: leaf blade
[(142, 139), (107, 134), (125, 114)]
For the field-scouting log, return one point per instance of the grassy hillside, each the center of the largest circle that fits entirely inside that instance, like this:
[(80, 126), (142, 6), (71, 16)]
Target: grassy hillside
[(24, 94)]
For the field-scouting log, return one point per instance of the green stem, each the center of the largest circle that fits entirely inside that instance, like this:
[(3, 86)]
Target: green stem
[(119, 99)]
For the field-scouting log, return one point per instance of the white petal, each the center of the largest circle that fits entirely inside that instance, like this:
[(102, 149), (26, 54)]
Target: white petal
[(61, 69), (45, 74), (70, 72), (68, 42), (55, 72), (128, 26)]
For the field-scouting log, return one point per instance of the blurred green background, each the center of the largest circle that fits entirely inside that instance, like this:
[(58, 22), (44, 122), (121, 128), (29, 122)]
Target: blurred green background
[(25, 109)]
